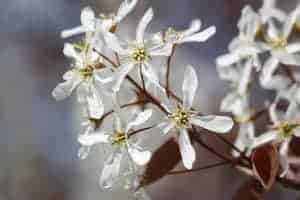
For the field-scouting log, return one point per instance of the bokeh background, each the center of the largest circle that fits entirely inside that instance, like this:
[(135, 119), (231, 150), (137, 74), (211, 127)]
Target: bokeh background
[(38, 146)]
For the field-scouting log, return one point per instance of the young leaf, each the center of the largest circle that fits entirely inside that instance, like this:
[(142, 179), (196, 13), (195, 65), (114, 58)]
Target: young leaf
[(249, 190), (265, 163), (163, 160)]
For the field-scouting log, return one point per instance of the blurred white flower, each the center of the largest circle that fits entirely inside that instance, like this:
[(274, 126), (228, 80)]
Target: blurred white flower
[(124, 148), (269, 11), (183, 117), (90, 23), (244, 46), (192, 34), (284, 128)]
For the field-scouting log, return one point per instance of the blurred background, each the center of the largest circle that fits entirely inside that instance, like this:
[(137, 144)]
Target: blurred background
[(38, 148)]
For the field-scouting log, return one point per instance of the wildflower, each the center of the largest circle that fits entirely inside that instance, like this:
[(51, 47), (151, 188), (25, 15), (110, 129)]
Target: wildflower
[(88, 73), (92, 24), (137, 53), (192, 34), (183, 117), (122, 144), (284, 129)]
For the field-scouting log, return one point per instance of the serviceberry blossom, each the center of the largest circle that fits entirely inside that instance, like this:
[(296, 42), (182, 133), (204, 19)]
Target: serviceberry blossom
[(103, 60), (90, 23), (192, 34), (184, 117), (123, 146), (284, 128), (88, 73), (138, 53)]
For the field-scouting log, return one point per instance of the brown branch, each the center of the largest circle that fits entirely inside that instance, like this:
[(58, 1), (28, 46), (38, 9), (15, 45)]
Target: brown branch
[(222, 163), (169, 61), (99, 121)]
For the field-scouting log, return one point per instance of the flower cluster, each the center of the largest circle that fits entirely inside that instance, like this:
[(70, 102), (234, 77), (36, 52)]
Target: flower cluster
[(266, 49), (104, 66)]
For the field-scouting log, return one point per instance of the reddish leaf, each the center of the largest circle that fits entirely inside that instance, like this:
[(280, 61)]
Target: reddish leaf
[(265, 164), (250, 190), (163, 160)]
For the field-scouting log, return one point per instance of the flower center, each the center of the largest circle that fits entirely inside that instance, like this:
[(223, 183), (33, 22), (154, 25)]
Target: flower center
[(87, 72), (286, 129), (279, 43), (140, 55), (181, 118), (119, 138), (171, 35)]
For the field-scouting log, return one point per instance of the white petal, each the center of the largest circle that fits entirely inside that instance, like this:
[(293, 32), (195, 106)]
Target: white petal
[(88, 18), (162, 50), (264, 138), (139, 119), (245, 136), (151, 76), (193, 28), (219, 124), (124, 9), (166, 126), (111, 170), (187, 150), (95, 104), (290, 59), (144, 22), (269, 68), (114, 43), (189, 87), (83, 152), (65, 89), (284, 162), (69, 51), (121, 74), (228, 59), (69, 75), (293, 48), (104, 76), (202, 36), (71, 32), (93, 138), (139, 156), (246, 77)]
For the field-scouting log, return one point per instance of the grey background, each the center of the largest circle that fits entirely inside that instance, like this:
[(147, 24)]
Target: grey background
[(38, 147)]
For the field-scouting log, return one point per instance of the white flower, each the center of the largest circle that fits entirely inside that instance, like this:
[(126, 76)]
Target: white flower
[(87, 75), (122, 145), (284, 128), (192, 34), (244, 45), (281, 53), (183, 117), (137, 53), (91, 24), (245, 136), (270, 11)]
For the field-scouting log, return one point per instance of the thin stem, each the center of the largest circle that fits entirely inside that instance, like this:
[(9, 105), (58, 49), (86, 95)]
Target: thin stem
[(222, 163), (140, 130), (99, 121), (169, 61), (233, 147), (258, 114), (135, 84), (142, 77), (196, 138)]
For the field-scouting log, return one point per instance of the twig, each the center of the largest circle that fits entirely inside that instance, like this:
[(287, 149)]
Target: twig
[(222, 163), (169, 61)]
